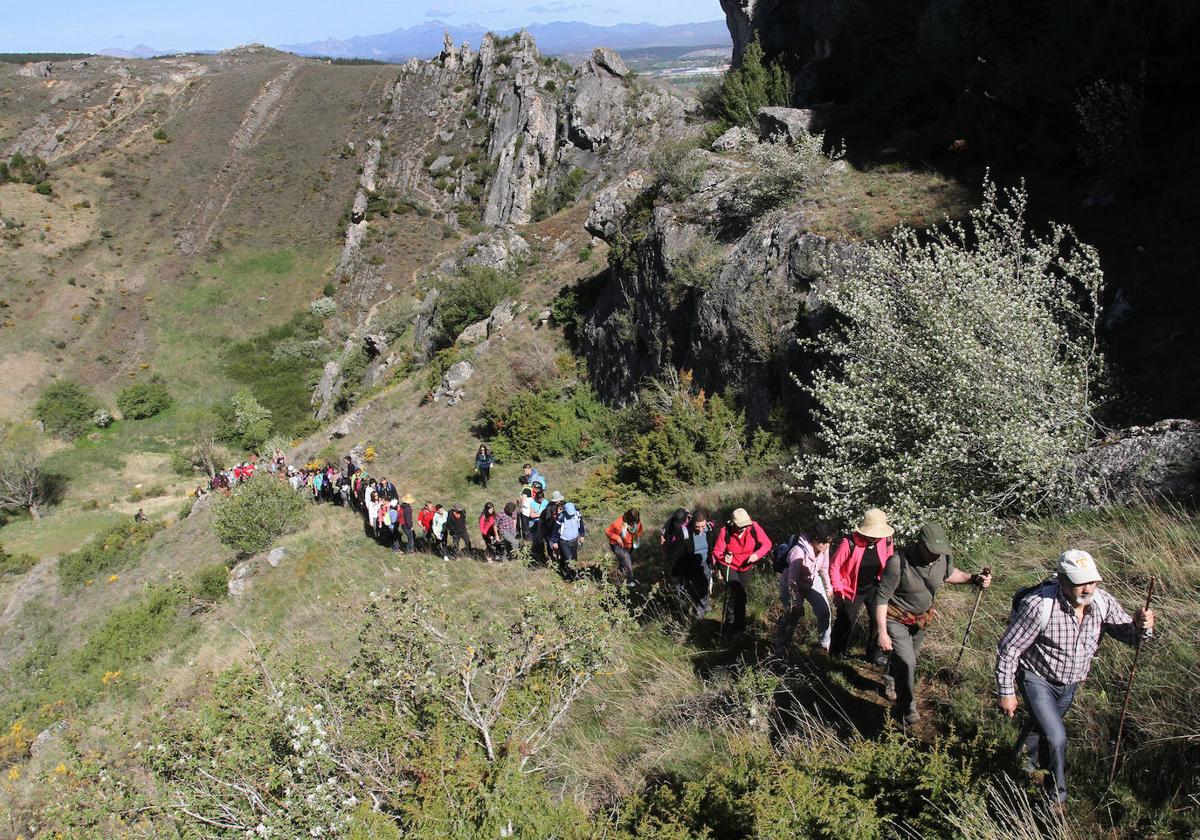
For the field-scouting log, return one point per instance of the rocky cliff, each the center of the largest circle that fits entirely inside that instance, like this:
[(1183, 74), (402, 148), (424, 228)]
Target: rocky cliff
[(683, 293), (797, 31)]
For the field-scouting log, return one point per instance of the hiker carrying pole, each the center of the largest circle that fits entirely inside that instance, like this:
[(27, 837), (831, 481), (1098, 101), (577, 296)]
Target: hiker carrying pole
[(986, 572), (904, 608), (1137, 650), (1047, 651)]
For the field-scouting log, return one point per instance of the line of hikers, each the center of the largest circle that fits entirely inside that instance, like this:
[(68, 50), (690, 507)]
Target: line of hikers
[(1054, 627)]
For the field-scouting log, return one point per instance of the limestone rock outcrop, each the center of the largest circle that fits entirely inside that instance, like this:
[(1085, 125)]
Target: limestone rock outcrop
[(1161, 461)]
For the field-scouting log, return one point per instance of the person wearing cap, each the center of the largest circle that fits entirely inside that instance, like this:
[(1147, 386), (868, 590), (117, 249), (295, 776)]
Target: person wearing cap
[(904, 607), (740, 544), (1047, 651), (854, 571), (546, 526), (568, 535)]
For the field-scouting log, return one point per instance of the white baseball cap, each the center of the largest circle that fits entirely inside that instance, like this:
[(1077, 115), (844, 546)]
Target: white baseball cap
[(1078, 566)]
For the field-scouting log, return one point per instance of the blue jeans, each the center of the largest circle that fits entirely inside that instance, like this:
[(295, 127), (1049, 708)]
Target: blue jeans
[(1043, 737)]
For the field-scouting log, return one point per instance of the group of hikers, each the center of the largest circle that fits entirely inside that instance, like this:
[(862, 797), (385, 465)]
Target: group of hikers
[(1054, 628)]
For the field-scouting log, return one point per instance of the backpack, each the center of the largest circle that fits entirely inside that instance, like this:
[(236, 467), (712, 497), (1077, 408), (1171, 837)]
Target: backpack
[(1048, 590), (780, 552)]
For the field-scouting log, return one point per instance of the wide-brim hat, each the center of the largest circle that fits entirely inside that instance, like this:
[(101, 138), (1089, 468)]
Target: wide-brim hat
[(459, 508), (740, 518), (1079, 566), (875, 525), (408, 499), (556, 496)]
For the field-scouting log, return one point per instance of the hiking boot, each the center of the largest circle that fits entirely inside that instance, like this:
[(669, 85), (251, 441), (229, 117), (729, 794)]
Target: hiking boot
[(889, 689)]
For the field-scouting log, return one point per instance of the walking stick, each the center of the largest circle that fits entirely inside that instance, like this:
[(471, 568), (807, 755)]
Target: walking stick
[(724, 601), (1137, 649), (971, 620)]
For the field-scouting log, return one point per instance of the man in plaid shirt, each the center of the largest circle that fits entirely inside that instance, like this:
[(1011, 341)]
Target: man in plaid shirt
[(1047, 651)]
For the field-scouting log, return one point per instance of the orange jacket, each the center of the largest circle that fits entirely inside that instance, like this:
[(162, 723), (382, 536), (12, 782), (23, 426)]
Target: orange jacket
[(619, 533)]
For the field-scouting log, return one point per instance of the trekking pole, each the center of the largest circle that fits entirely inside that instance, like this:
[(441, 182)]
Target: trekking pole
[(724, 602), (971, 620), (1137, 649)]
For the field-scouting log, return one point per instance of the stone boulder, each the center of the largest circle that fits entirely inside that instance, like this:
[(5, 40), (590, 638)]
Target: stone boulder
[(475, 333), (499, 249), (598, 106), (441, 165), (501, 314), (239, 577), (276, 556), (37, 69), (1161, 461), (450, 391), (348, 423), (326, 390), (201, 504), (609, 60), (608, 208), (790, 123), (734, 138)]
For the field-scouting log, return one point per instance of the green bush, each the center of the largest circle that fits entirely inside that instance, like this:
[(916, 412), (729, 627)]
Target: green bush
[(182, 463), (15, 564), (468, 298), (742, 91), (677, 435), (119, 547), (779, 174), (44, 188), (961, 375), (257, 513), (160, 134), (251, 422), (211, 583), (280, 367), (394, 316), (66, 408), (551, 421), (549, 200), (143, 399)]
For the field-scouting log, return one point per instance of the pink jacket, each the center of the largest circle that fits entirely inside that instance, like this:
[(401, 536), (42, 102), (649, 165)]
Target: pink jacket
[(843, 567), (806, 570)]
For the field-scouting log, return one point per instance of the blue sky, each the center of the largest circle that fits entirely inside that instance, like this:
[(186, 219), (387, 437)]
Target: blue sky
[(83, 25)]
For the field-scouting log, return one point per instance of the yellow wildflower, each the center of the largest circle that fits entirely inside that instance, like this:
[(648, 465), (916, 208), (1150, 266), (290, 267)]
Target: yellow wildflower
[(60, 770), (112, 578), (88, 582), (110, 677), (14, 773)]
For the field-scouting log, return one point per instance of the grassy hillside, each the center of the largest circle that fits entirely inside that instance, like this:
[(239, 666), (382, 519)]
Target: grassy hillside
[(187, 229)]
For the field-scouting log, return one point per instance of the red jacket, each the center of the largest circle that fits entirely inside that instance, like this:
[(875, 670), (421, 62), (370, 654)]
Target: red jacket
[(425, 519), (752, 540), (843, 566)]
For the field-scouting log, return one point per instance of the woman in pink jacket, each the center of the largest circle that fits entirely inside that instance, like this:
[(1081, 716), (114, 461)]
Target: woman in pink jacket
[(806, 579), (854, 571)]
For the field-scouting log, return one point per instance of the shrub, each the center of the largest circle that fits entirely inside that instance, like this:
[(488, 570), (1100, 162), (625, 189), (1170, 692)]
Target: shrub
[(251, 422), (280, 367), (258, 512), (468, 298), (43, 188), (160, 134), (745, 89), (549, 200), (960, 372), (394, 316), (677, 435), (550, 421), (323, 307), (66, 408), (211, 583), (780, 173), (15, 564), (144, 399), (119, 547), (676, 166)]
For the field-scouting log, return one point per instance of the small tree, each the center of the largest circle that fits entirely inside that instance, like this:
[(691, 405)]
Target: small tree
[(66, 408), (22, 484), (251, 422), (202, 440), (960, 371), (754, 85), (257, 512), (144, 399)]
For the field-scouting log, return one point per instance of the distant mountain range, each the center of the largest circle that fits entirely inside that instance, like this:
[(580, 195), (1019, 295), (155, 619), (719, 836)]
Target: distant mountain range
[(138, 51), (425, 40)]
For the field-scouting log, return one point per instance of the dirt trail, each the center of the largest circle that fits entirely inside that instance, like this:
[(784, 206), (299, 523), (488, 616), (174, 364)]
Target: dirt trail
[(260, 115)]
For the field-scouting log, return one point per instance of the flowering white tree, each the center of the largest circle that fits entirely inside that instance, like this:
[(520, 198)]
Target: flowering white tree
[(960, 373)]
